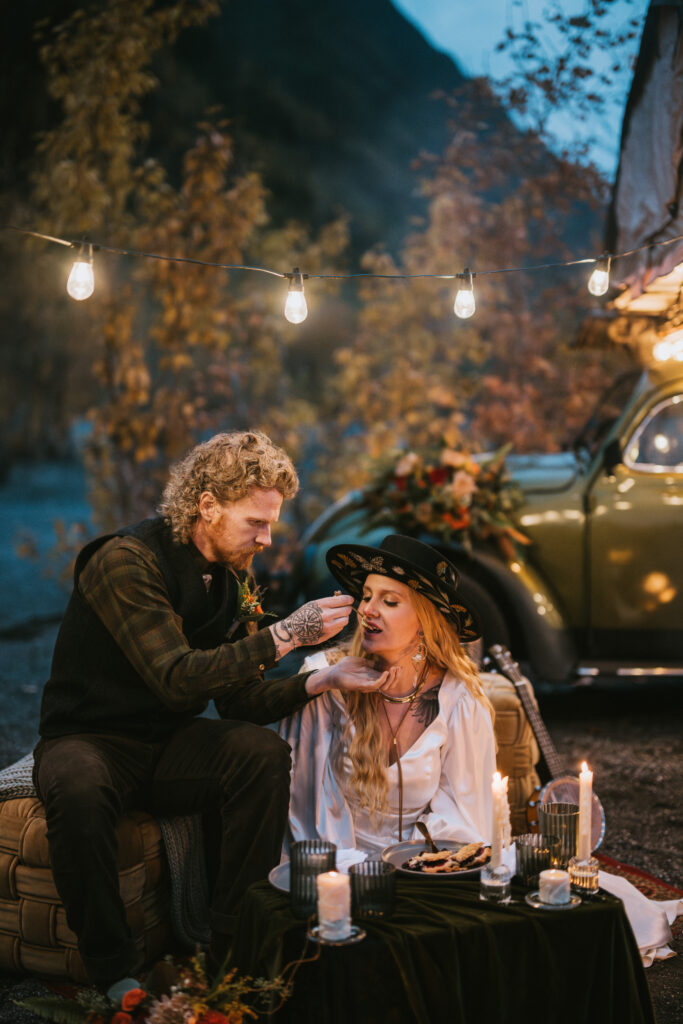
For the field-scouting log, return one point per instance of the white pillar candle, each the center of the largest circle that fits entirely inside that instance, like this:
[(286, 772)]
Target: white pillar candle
[(553, 886), (334, 905), (584, 844), (497, 792)]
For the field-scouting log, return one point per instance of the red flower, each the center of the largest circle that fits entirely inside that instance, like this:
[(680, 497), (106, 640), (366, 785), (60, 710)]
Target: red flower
[(121, 1018), (213, 1017), (400, 482), (439, 475), (132, 998)]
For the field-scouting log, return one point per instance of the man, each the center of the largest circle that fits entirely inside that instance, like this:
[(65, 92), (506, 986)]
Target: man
[(154, 629)]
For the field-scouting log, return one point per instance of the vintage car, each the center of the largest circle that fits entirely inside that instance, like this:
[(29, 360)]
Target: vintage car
[(600, 587)]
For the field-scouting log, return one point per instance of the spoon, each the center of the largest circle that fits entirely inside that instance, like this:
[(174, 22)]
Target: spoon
[(421, 827)]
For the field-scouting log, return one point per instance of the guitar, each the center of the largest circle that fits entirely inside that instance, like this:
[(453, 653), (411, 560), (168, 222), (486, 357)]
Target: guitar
[(563, 786)]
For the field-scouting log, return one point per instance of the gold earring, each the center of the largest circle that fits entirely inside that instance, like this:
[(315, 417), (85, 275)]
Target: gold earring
[(420, 652)]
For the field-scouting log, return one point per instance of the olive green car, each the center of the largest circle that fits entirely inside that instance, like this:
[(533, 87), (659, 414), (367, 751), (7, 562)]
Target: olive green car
[(600, 588)]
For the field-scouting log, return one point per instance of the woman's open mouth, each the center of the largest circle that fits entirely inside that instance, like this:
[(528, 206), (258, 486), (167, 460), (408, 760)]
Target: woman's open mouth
[(367, 628)]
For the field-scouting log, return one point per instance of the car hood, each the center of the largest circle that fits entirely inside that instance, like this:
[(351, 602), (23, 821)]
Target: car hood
[(543, 472)]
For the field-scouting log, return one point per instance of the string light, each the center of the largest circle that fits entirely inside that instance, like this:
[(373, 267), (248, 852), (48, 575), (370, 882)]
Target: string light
[(670, 347), (464, 305), (296, 309), (81, 279), (81, 283), (598, 282)]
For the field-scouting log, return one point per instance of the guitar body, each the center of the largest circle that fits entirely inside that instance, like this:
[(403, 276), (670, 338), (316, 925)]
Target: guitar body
[(563, 786), (564, 789)]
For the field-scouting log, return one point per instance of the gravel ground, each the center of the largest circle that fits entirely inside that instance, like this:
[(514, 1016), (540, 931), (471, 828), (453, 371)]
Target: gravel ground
[(631, 734)]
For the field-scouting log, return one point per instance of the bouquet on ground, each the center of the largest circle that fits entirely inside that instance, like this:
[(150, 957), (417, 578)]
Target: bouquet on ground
[(232, 998), (449, 494)]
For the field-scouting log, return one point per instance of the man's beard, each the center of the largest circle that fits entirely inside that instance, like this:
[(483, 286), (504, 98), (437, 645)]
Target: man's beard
[(242, 559)]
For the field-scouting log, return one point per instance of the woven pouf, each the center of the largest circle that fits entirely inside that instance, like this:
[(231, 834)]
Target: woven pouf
[(518, 753), (34, 935)]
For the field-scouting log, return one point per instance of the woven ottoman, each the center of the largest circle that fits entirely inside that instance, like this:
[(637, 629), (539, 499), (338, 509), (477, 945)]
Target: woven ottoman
[(518, 752), (34, 935)]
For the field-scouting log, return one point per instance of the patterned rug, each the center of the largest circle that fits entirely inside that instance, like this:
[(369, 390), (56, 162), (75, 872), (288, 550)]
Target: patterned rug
[(653, 888)]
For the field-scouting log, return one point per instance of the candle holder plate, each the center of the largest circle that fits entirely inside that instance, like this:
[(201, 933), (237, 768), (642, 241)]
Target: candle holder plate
[(532, 899), (357, 935)]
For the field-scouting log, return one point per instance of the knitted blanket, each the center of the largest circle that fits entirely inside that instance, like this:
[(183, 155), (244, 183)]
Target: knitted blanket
[(183, 845)]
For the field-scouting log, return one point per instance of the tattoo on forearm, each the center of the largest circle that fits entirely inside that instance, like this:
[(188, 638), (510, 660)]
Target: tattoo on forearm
[(304, 626)]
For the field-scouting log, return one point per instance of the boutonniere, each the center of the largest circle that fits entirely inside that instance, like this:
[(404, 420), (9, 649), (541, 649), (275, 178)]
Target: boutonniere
[(249, 607)]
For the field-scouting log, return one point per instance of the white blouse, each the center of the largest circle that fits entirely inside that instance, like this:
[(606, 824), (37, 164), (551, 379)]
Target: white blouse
[(446, 775)]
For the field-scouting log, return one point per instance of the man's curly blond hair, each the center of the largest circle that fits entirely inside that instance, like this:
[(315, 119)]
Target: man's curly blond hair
[(229, 466)]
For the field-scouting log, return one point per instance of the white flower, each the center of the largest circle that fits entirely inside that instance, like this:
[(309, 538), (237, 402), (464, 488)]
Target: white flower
[(407, 464), (463, 485)]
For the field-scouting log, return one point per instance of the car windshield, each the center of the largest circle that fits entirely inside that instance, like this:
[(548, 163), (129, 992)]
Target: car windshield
[(608, 408)]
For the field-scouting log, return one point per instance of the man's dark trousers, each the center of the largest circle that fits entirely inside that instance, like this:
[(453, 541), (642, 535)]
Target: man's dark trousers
[(234, 773)]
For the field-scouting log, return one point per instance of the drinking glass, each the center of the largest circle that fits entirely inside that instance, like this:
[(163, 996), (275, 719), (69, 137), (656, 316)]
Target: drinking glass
[(535, 853), (373, 889), (308, 859), (560, 820)]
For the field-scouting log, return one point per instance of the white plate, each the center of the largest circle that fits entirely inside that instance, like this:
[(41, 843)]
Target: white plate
[(279, 877), (401, 852)]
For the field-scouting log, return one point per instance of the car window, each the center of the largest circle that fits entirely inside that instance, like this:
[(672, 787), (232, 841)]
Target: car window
[(657, 444)]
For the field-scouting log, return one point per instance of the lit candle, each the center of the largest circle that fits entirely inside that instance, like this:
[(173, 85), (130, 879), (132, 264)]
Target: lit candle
[(553, 886), (334, 905), (499, 794), (584, 845)]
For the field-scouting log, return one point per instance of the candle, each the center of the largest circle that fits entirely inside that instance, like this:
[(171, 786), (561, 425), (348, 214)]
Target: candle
[(334, 905), (500, 818), (584, 844), (553, 886)]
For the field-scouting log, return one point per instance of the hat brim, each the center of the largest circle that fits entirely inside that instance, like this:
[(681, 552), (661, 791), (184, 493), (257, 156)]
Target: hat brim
[(350, 564)]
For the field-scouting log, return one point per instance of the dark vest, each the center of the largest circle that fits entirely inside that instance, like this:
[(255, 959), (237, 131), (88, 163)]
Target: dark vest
[(93, 687)]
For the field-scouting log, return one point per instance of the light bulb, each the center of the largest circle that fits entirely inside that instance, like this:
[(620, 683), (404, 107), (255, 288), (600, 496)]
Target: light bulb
[(464, 305), (598, 282), (81, 283), (296, 309)]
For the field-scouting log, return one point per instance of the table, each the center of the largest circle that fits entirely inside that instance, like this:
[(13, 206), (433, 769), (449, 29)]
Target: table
[(447, 957)]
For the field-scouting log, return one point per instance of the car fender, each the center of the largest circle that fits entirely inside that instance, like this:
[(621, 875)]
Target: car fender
[(528, 603)]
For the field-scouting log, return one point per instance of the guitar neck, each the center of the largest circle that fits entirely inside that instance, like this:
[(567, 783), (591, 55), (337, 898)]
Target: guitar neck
[(510, 669)]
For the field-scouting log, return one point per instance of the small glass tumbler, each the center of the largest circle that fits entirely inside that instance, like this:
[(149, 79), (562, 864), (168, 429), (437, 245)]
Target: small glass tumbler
[(583, 876), (494, 884), (308, 859), (535, 853), (560, 820), (373, 889)]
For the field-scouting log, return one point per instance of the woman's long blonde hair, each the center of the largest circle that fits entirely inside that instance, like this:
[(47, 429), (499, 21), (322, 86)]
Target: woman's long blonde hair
[(361, 738)]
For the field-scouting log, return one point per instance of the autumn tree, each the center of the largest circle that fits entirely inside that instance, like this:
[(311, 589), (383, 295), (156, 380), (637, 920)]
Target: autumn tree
[(178, 349)]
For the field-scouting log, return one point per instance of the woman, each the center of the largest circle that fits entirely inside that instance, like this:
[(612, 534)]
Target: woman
[(368, 765)]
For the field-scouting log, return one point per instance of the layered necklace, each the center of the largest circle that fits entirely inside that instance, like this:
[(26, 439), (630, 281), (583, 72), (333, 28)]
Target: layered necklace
[(407, 698)]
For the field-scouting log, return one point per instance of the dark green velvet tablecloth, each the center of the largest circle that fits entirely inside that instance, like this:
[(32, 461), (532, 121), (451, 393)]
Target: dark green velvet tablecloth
[(447, 957)]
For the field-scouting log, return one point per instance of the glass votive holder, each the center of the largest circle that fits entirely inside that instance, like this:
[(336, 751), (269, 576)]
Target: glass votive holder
[(583, 876), (373, 889), (494, 883), (535, 853), (561, 820), (307, 859)]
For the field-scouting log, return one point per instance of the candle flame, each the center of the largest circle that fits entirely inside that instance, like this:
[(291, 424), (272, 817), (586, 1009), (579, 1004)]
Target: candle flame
[(584, 766), (496, 778)]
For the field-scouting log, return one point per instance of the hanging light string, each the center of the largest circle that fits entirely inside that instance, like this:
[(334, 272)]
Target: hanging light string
[(81, 280)]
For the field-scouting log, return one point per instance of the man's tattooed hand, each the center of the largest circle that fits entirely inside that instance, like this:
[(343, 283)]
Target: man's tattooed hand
[(303, 627), (312, 623)]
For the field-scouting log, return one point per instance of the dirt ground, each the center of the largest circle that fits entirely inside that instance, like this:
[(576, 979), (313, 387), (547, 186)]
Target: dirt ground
[(631, 734)]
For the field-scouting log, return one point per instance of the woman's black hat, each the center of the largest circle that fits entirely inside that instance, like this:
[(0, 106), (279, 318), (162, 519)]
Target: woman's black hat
[(409, 561)]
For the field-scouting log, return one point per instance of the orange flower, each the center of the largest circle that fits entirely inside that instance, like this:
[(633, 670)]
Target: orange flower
[(132, 998), (213, 1017), (457, 524), (121, 1018)]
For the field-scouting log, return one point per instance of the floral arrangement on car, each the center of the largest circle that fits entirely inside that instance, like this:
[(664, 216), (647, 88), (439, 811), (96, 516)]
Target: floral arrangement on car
[(232, 998), (444, 492)]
